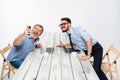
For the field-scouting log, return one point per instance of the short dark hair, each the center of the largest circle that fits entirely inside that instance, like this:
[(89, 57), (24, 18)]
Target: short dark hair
[(66, 19), (39, 26)]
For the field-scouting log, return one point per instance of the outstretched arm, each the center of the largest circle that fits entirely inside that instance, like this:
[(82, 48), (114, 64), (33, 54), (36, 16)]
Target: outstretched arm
[(67, 44)]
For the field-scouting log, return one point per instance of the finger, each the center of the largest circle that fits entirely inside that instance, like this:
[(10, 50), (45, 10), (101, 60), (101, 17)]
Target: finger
[(58, 46), (82, 59)]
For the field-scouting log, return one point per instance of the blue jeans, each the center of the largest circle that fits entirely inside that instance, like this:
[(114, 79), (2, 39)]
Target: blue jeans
[(16, 64)]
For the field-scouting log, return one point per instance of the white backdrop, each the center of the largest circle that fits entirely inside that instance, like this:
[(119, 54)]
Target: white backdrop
[(101, 18)]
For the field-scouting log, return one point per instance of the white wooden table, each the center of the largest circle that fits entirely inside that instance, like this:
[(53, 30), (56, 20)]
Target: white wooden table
[(53, 63)]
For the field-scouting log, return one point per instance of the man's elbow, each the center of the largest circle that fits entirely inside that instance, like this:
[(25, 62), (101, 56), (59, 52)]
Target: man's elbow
[(15, 43)]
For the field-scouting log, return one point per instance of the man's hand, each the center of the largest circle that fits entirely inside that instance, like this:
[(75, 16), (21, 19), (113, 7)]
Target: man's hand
[(27, 31), (86, 57), (39, 45), (61, 46), (19, 39)]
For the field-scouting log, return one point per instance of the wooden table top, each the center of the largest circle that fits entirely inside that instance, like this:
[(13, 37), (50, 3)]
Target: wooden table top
[(54, 63)]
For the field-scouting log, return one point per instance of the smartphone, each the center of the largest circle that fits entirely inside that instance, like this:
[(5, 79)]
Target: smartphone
[(29, 27)]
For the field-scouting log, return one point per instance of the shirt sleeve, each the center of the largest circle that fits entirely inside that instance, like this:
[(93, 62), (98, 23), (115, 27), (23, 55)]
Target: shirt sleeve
[(84, 34)]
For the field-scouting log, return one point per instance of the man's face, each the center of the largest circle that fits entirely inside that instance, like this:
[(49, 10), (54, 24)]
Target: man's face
[(36, 32), (65, 26)]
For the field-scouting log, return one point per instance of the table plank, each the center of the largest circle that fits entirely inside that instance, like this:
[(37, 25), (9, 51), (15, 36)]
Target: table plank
[(44, 39), (88, 69), (66, 67), (77, 68), (55, 73), (67, 73), (45, 68), (51, 38), (22, 71), (34, 68)]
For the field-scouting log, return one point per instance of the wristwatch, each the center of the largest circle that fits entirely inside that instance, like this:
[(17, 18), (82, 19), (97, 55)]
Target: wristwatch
[(35, 45), (90, 55)]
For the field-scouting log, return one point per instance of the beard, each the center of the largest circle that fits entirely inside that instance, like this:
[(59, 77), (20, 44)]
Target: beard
[(35, 35), (65, 30)]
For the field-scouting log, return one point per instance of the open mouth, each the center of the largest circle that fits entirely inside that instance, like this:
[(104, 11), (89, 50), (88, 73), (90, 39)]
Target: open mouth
[(63, 28), (35, 33)]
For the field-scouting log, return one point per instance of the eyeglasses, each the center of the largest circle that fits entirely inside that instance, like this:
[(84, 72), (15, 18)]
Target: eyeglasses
[(62, 24)]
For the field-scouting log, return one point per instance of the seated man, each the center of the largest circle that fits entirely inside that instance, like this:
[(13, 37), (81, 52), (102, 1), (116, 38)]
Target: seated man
[(24, 44)]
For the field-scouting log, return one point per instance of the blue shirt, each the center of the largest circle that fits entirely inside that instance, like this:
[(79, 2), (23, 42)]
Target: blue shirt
[(20, 52), (79, 36)]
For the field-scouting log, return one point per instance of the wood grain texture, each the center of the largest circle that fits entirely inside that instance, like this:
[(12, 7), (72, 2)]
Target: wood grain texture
[(54, 64)]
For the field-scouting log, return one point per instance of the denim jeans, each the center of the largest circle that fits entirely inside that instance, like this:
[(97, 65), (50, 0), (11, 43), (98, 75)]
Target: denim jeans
[(16, 64)]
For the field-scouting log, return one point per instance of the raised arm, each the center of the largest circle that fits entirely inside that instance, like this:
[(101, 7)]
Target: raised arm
[(19, 39)]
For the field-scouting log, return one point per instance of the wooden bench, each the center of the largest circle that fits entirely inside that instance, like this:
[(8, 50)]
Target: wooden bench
[(53, 63)]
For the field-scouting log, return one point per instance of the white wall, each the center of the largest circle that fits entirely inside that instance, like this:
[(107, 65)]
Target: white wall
[(100, 17)]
